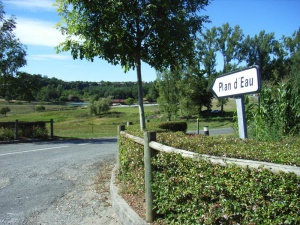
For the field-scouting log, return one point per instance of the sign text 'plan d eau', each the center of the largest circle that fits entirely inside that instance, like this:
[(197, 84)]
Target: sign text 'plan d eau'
[(237, 83)]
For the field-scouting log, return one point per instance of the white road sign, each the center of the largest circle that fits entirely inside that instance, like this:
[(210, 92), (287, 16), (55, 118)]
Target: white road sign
[(237, 83)]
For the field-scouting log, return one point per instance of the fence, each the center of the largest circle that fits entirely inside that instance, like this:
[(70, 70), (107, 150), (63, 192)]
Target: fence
[(151, 147), (16, 125)]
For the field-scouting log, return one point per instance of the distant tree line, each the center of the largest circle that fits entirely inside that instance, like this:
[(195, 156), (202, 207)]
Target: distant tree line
[(27, 87)]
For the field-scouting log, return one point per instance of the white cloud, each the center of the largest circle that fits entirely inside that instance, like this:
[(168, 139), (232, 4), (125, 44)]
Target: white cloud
[(32, 4), (50, 56), (38, 32)]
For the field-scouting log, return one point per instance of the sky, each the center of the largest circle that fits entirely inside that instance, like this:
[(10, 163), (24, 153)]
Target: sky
[(36, 20)]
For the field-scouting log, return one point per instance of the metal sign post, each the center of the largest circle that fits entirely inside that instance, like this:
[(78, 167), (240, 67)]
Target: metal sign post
[(240, 106), (237, 84)]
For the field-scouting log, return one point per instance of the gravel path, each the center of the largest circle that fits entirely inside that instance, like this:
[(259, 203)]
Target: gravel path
[(89, 201)]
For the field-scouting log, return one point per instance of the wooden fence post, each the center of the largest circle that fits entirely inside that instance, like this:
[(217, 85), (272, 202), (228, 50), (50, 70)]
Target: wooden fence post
[(120, 128), (51, 129), (148, 154), (16, 129)]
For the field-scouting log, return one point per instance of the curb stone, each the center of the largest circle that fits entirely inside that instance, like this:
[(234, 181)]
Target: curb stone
[(124, 212)]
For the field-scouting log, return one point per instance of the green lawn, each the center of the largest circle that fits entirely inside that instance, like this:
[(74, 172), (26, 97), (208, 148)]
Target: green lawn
[(76, 122)]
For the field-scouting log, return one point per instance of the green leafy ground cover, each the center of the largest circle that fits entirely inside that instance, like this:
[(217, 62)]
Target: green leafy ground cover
[(197, 192)]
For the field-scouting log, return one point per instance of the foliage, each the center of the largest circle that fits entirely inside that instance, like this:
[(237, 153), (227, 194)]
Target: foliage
[(278, 112), (258, 50), (168, 93), (30, 87), (40, 132), (6, 134), (191, 191), (183, 90), (131, 161), (193, 92), (129, 101), (207, 48), (174, 126), (4, 110), (12, 51), (197, 192), (128, 32), (285, 152), (100, 106), (40, 108), (25, 130), (229, 42)]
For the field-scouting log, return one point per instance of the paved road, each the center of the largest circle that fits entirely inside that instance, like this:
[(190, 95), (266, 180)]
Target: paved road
[(214, 132), (36, 177)]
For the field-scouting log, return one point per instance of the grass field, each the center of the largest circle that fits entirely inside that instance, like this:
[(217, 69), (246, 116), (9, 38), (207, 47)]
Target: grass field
[(76, 122)]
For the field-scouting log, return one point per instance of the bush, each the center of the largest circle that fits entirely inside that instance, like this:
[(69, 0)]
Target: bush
[(131, 161), (39, 132), (100, 106), (198, 192), (278, 114), (40, 108), (174, 126), (4, 110), (194, 191), (6, 134)]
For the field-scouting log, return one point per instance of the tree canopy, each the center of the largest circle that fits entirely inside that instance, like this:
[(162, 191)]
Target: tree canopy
[(12, 51), (159, 32)]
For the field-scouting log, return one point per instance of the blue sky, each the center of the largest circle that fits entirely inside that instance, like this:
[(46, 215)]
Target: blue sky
[(36, 21)]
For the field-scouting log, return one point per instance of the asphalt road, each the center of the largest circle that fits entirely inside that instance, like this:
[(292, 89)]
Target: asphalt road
[(35, 176), (213, 132)]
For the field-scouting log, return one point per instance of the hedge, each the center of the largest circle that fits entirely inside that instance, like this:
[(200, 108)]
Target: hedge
[(191, 191), (25, 130)]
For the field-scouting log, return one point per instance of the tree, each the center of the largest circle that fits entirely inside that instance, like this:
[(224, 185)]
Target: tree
[(129, 101), (4, 111), (12, 52), (229, 42), (292, 45), (160, 33), (207, 48), (258, 51), (193, 91), (100, 106), (168, 92)]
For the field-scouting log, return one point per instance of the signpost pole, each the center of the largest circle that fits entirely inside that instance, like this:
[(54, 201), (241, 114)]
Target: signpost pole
[(240, 106)]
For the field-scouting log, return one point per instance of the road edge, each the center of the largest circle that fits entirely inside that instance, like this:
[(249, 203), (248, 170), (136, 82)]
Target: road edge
[(124, 212)]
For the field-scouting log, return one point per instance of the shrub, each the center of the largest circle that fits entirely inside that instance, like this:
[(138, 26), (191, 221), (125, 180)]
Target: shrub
[(6, 134), (39, 132), (277, 115), (198, 192), (129, 101), (194, 191), (100, 106), (40, 108), (131, 161), (4, 110), (174, 126)]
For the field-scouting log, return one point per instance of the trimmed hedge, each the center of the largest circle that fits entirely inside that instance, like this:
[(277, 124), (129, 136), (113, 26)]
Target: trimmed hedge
[(174, 126), (197, 192), (25, 130)]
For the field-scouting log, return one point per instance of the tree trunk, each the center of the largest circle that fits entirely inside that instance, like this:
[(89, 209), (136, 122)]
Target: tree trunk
[(140, 93)]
